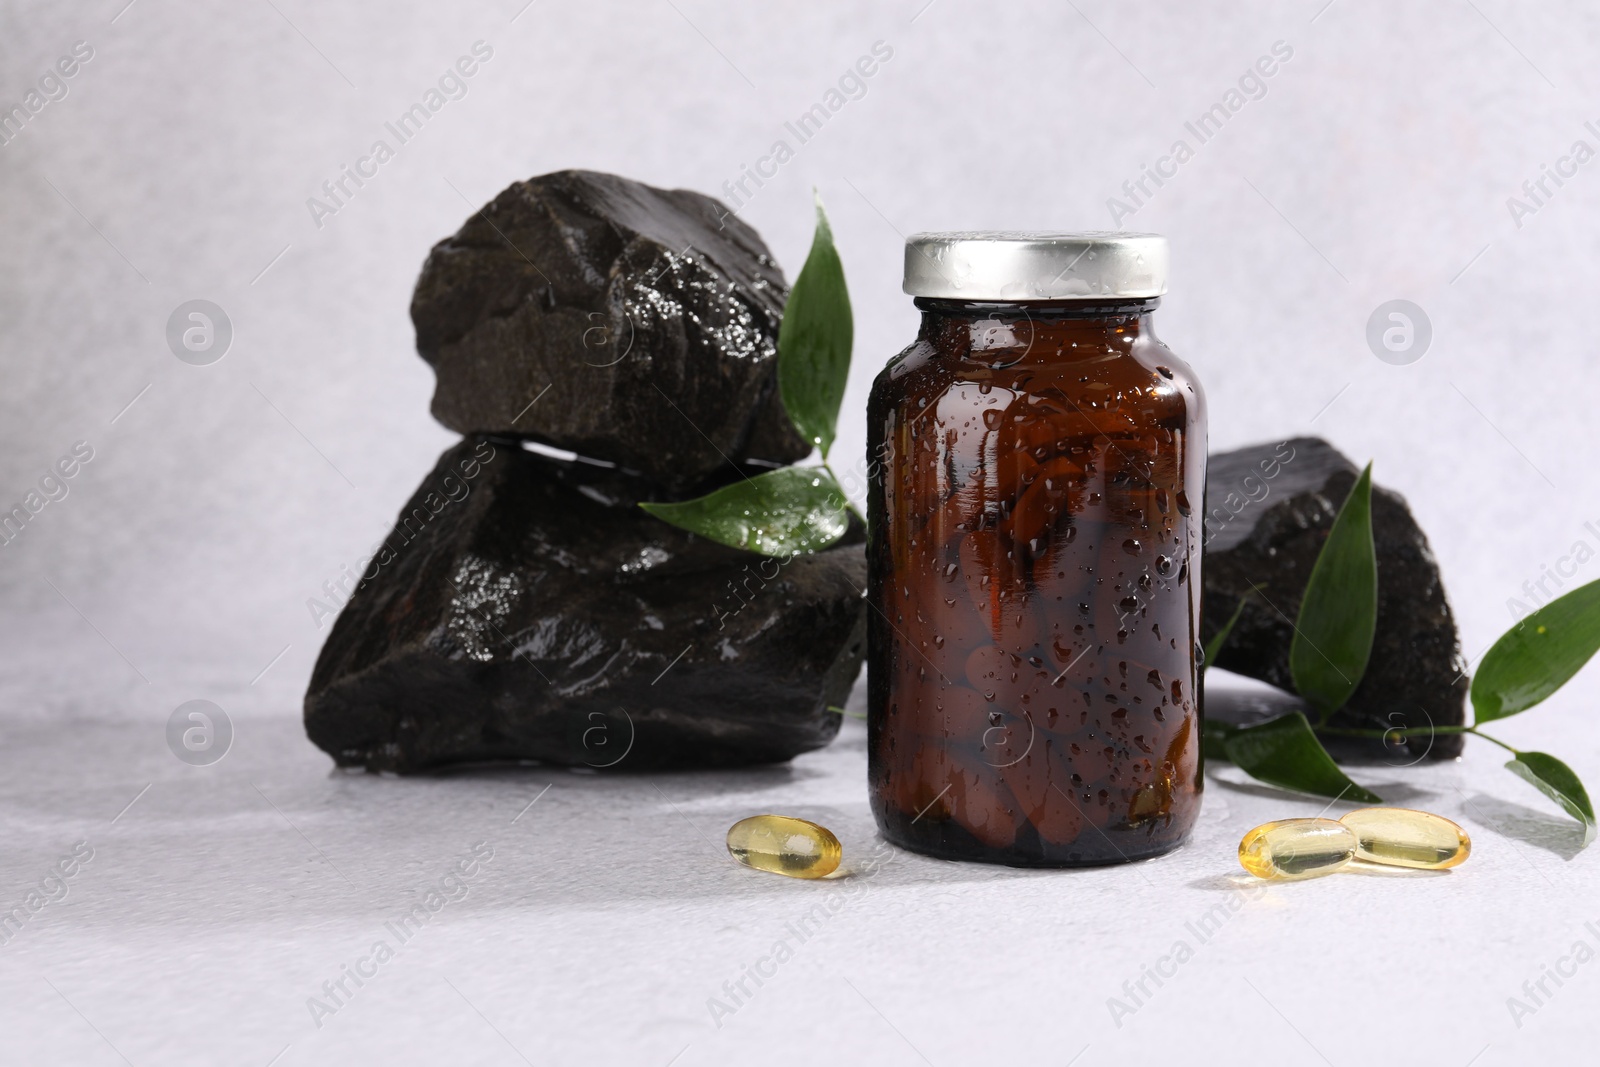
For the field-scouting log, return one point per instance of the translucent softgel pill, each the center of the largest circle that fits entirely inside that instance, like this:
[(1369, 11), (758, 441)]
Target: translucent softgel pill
[(1297, 848), (782, 845), (1401, 837)]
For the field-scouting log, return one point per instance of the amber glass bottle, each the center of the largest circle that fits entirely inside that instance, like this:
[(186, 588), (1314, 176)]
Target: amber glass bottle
[(1038, 463)]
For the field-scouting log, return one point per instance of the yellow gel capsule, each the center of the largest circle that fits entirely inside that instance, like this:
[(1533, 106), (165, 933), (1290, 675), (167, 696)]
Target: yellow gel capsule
[(1401, 837), (782, 845), (1297, 848)]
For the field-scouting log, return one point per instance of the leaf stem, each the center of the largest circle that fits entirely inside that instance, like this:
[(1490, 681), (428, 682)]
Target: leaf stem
[(1347, 731), (1502, 744), (1214, 648), (1350, 731), (847, 502)]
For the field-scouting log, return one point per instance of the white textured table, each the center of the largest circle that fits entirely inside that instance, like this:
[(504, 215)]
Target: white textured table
[(1378, 164), (609, 923)]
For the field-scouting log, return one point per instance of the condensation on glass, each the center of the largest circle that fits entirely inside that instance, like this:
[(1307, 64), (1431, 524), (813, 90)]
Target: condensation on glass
[(1037, 461)]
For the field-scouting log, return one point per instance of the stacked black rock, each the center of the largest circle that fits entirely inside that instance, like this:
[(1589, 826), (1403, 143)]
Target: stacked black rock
[(1268, 511), (524, 607), (644, 321)]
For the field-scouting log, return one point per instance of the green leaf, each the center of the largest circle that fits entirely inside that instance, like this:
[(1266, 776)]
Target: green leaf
[(781, 512), (1536, 657), (1214, 646), (814, 341), (1284, 752), (1555, 780), (1339, 611), (1214, 739)]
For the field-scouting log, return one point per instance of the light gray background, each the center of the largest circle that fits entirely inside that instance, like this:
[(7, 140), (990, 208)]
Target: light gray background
[(1376, 166)]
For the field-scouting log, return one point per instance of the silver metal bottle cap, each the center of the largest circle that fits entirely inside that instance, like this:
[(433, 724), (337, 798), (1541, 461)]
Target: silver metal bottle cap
[(1007, 266)]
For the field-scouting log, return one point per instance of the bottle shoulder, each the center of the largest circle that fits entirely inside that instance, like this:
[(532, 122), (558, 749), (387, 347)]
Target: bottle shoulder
[(907, 370), (1142, 375), (1153, 355)]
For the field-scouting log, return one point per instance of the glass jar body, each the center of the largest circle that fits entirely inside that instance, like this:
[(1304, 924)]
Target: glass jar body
[(1038, 473)]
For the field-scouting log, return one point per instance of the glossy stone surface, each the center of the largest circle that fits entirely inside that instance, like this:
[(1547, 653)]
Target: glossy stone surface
[(612, 319), (1268, 510), (525, 608)]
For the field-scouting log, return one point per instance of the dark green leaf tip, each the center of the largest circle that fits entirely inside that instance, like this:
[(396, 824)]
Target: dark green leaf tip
[(780, 513), (1285, 752), (814, 340), (1555, 780), (1538, 655), (1339, 610)]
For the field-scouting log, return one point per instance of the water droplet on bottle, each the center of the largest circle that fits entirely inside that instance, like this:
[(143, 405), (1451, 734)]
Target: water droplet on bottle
[(1131, 546), (1165, 372)]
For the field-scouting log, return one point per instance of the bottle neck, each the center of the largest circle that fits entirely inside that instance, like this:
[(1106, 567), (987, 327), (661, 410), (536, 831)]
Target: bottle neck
[(972, 328)]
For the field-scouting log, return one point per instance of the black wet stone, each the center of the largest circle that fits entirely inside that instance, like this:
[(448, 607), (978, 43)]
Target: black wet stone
[(524, 608), (1268, 511), (612, 319)]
